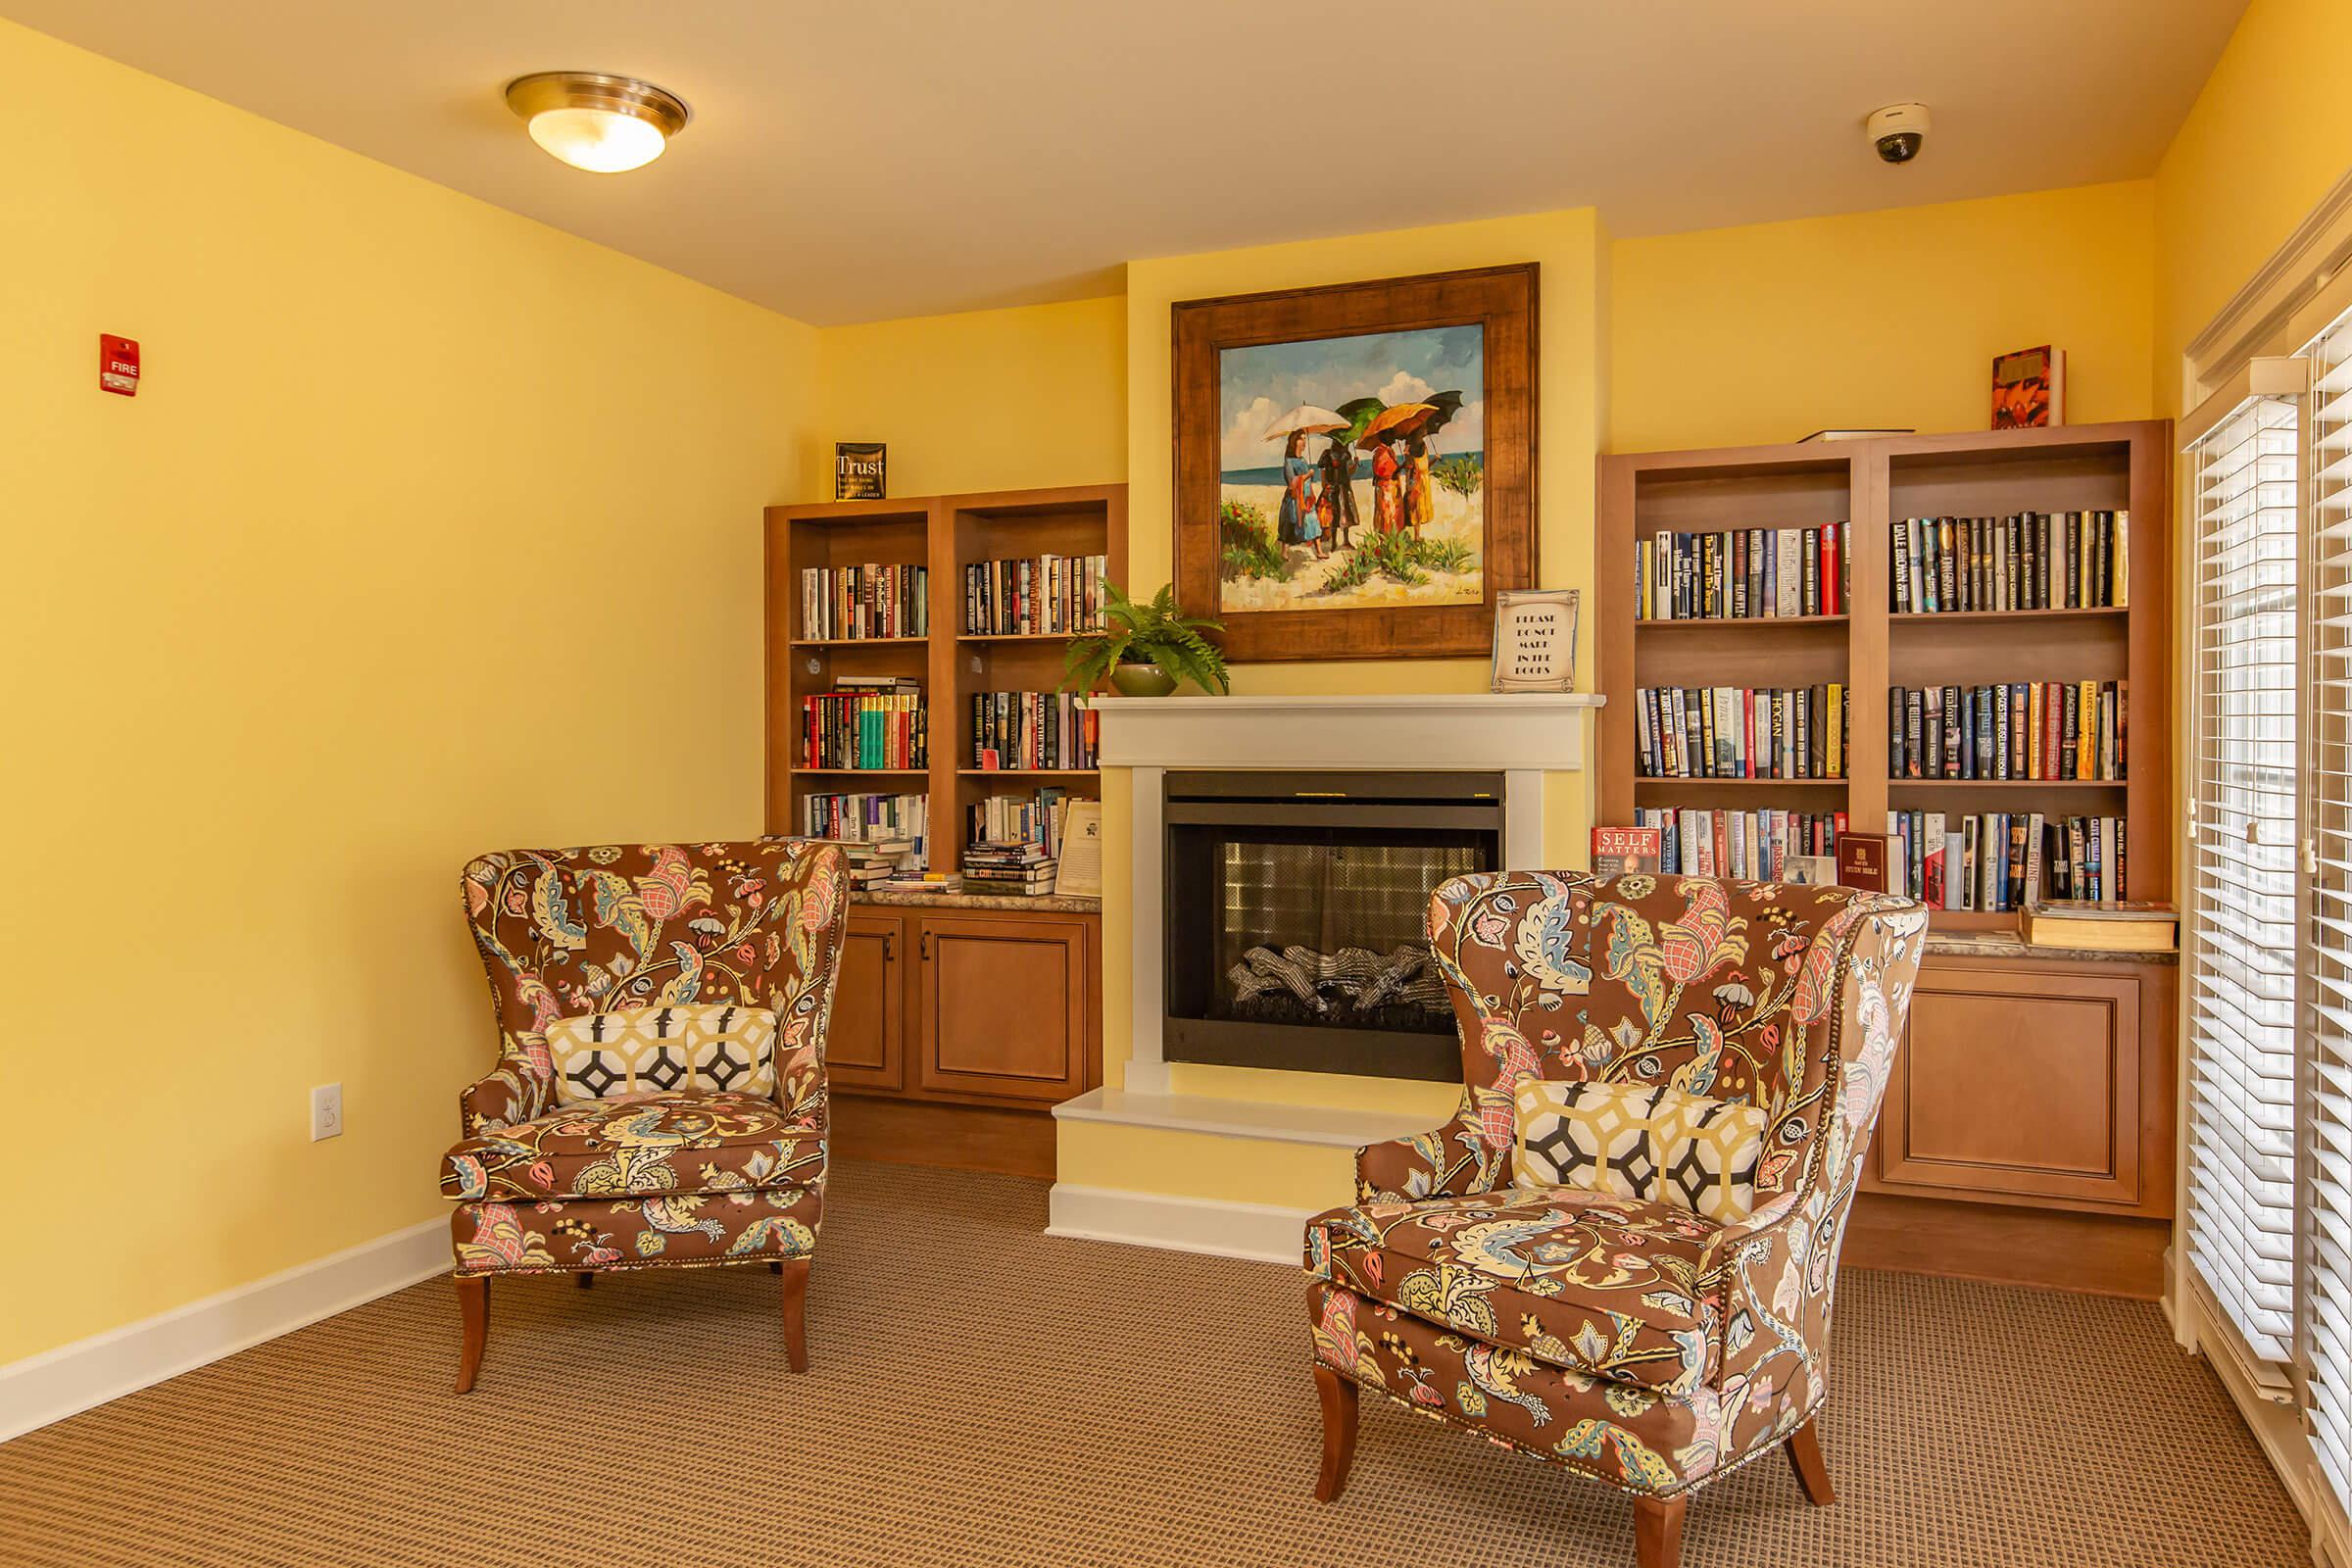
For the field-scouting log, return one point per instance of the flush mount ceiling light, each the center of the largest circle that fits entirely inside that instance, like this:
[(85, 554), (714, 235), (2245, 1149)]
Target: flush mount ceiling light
[(602, 123)]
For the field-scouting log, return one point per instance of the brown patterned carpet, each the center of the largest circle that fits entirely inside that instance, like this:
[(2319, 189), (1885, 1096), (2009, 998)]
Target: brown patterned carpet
[(986, 1395)]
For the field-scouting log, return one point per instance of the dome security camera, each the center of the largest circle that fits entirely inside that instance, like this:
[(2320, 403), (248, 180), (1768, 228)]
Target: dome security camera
[(1897, 131)]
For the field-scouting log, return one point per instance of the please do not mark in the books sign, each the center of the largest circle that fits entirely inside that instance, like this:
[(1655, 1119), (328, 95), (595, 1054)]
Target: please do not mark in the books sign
[(1534, 640)]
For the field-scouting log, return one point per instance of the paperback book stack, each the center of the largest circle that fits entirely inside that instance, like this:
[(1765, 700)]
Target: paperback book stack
[(1032, 731), (1995, 861), (856, 603), (2021, 730), (1743, 575), (919, 881), (2028, 560), (869, 819), (1017, 870), (1754, 846), (867, 721), (1020, 820), (1741, 732), (874, 862), (1031, 596)]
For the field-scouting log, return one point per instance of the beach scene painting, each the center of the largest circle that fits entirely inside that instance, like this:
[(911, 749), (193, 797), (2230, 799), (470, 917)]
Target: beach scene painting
[(1351, 470)]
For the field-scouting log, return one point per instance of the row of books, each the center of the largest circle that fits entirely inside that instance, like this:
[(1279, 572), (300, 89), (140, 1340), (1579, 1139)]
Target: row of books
[(866, 600), (1020, 820), (1742, 575), (1033, 730), (1020, 871), (1755, 846), (2018, 730), (1995, 861), (868, 817), (1036, 594), (879, 722), (2027, 560), (1741, 732)]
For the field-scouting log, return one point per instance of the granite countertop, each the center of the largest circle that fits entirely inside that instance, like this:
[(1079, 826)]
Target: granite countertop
[(2002, 945), (1046, 903)]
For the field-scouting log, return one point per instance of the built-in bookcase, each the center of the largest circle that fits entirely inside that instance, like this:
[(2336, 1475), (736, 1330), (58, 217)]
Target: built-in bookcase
[(1867, 486), (946, 534)]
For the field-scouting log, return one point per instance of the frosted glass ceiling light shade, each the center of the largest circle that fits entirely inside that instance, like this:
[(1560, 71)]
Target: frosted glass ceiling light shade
[(605, 125)]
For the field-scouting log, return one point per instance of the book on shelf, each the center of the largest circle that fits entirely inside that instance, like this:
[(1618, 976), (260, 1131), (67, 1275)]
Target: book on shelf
[(873, 863), (1864, 861), (1755, 846), (1021, 869), (1627, 851), (1741, 732), (2018, 731), (871, 600), (869, 819), (1035, 818), (1034, 595), (1033, 730), (2025, 560), (865, 722), (925, 882), (1081, 869), (2029, 388), (1996, 862), (2114, 925), (1741, 573)]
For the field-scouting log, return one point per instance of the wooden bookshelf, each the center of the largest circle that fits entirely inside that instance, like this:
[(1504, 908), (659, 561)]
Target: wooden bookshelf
[(942, 1046), (2096, 1137)]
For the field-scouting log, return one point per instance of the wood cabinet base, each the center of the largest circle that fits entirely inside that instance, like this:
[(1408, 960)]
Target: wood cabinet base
[(2097, 1254)]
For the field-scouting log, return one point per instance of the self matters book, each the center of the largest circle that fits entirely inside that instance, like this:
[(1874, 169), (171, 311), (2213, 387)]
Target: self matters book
[(1627, 851)]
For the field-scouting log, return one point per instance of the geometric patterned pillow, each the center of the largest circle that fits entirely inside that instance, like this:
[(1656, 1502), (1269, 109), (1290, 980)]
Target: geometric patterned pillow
[(1658, 1144), (635, 1051)]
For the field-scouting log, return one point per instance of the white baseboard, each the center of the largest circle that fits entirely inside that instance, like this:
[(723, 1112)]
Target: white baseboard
[(1261, 1232), (72, 1378)]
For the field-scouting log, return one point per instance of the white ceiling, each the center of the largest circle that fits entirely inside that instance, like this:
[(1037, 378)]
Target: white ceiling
[(852, 160)]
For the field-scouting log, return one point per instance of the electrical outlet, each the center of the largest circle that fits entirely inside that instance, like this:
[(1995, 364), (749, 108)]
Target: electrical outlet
[(326, 1111)]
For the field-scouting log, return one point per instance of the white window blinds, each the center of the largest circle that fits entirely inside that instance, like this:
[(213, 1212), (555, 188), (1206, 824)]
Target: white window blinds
[(2241, 944), (2327, 1276)]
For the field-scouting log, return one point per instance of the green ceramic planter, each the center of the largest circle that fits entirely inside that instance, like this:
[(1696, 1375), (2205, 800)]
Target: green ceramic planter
[(1142, 680)]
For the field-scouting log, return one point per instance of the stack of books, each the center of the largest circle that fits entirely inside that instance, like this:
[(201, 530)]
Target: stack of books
[(2030, 561), (1754, 845), (1743, 575), (1020, 871), (868, 819), (875, 721), (1032, 731), (1046, 595), (854, 602), (1741, 732), (2114, 926), (913, 879), (2021, 730), (1995, 860), (874, 862)]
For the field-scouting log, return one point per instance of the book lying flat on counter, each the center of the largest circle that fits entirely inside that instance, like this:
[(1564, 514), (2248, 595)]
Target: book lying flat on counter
[(924, 882), (2115, 925)]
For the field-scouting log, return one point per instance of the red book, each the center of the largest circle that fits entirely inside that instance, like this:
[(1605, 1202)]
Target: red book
[(1862, 861), (1833, 591), (1723, 843), (1747, 730), (1625, 851)]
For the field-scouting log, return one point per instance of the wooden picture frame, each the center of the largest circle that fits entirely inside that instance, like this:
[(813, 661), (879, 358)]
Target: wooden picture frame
[(1501, 301)]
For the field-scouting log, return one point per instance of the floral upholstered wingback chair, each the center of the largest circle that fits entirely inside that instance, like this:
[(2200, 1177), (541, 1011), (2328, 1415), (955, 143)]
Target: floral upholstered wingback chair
[(1619, 1254), (659, 1097)]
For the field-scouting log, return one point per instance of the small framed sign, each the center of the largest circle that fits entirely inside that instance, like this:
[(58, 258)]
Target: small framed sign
[(861, 470), (1534, 640)]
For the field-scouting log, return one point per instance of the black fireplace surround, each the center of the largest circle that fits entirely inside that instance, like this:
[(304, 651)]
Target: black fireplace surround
[(1296, 916)]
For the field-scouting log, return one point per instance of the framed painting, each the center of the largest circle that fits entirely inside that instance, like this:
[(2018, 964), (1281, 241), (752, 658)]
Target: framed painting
[(1356, 465)]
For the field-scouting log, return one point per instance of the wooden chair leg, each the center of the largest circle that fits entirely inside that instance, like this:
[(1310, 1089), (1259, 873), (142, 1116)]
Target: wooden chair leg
[(796, 1296), (1339, 1395), (1812, 1470), (587, 1280), (1658, 1532), (473, 1310)]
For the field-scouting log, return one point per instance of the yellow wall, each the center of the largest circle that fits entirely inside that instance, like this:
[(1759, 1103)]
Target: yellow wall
[(2268, 135), (1734, 336), (428, 530), (987, 400)]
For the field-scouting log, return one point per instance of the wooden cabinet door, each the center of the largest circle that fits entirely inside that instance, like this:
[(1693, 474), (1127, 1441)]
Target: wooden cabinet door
[(1004, 1006), (2018, 1084), (866, 1045)]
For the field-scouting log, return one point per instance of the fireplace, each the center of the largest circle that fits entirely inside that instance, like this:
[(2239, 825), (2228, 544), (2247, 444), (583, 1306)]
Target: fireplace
[(1295, 918)]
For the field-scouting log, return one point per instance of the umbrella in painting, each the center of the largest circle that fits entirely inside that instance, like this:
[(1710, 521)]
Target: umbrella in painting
[(1305, 416), (1391, 422), (1429, 415)]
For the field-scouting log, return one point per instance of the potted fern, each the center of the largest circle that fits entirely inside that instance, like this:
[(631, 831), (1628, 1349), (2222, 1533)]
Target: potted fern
[(1145, 649)]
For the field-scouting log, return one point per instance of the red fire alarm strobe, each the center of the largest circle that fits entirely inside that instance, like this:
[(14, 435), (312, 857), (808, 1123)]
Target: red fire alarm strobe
[(117, 365)]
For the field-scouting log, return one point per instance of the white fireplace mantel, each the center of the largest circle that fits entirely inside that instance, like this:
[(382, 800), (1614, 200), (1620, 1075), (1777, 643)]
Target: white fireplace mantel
[(1523, 735)]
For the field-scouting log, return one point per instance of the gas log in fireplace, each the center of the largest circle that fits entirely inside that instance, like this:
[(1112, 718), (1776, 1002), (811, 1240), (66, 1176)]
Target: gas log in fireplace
[(1296, 916)]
